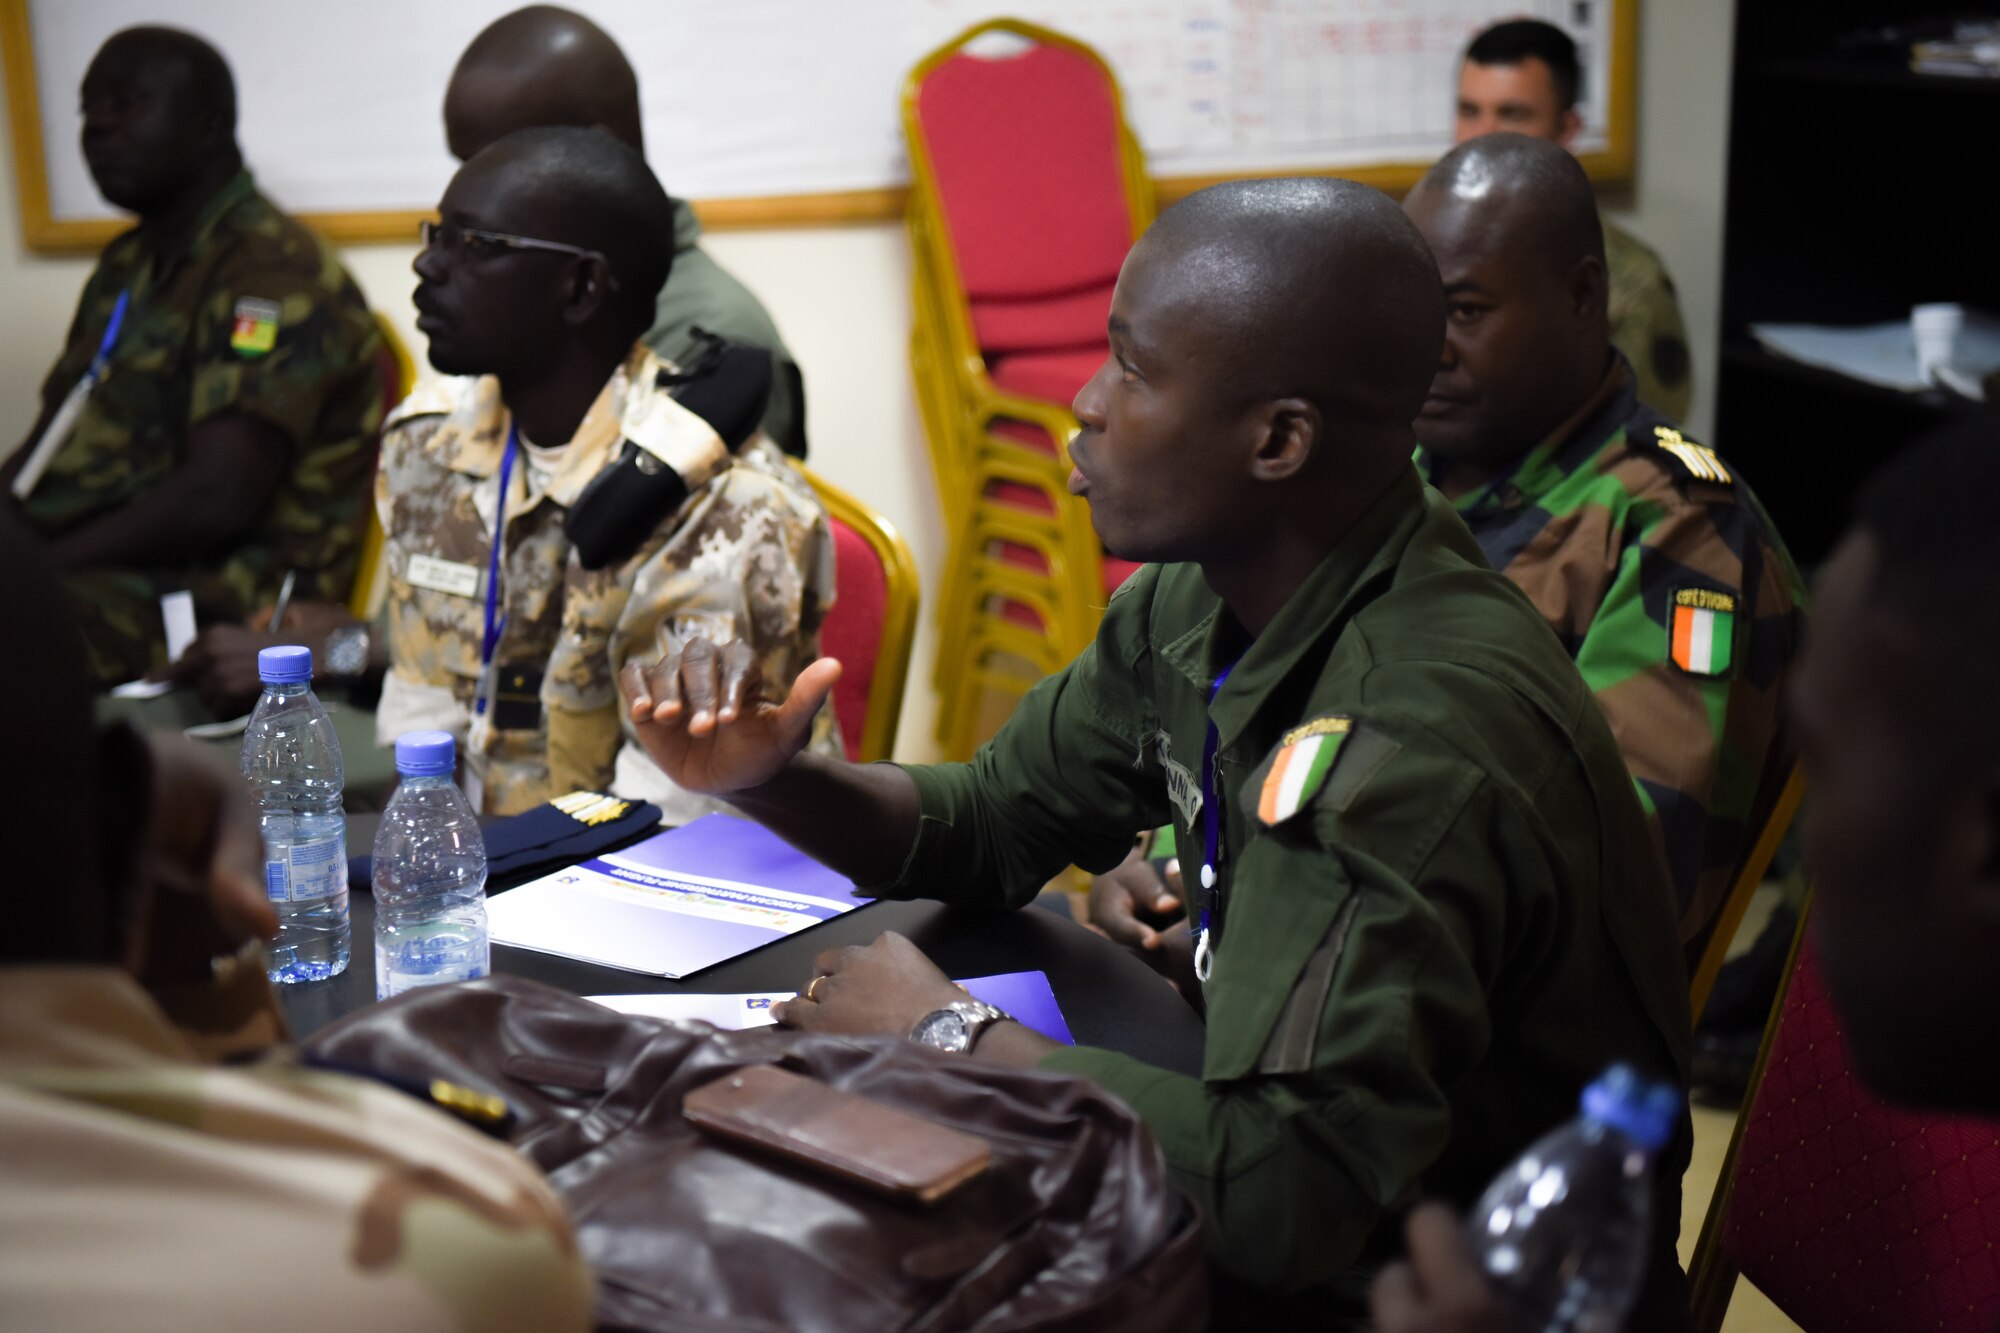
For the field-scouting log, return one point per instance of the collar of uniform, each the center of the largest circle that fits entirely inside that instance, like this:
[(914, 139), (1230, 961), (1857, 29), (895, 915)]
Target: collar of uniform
[(238, 188), (1374, 544), (83, 1018), (473, 435), (1568, 447), (687, 227)]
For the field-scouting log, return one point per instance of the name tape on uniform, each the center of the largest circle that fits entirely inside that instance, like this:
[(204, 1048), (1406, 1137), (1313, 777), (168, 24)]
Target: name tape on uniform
[(446, 576)]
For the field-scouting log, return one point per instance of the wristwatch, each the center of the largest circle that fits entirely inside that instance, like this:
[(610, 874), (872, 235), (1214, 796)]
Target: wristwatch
[(345, 651), (956, 1026)]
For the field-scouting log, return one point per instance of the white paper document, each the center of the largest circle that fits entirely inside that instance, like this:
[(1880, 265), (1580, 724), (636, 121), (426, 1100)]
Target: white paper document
[(678, 902)]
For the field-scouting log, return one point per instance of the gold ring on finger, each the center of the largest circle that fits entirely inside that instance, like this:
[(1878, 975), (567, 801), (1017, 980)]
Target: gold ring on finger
[(812, 986)]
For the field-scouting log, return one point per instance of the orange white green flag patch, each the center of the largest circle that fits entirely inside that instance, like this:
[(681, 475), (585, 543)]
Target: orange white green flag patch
[(1300, 766), (1704, 629), (254, 331)]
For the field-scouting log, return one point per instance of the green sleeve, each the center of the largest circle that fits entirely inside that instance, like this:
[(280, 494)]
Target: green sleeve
[(1057, 786), (1345, 1002), (317, 342), (1670, 723)]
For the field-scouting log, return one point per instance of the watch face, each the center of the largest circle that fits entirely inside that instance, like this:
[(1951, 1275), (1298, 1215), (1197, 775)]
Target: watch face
[(944, 1029)]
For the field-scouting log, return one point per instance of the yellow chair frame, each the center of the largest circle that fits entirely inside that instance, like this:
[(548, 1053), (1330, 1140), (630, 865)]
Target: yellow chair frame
[(1712, 1274), (901, 595), (1748, 877), (369, 585)]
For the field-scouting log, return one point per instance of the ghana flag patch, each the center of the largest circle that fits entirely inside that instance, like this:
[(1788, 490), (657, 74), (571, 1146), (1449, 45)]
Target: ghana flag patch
[(1304, 759), (1704, 628), (254, 331)]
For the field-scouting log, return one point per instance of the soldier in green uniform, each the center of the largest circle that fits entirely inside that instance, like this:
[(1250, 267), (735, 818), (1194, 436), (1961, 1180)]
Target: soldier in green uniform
[(1428, 910), (229, 425), (1522, 77), (1648, 556), (544, 65)]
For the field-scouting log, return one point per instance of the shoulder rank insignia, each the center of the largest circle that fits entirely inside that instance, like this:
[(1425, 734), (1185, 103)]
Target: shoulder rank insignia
[(1703, 630), (1698, 459), (1304, 758), (254, 330)]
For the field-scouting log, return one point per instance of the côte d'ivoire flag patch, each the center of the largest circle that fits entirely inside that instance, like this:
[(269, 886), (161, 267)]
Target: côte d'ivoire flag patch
[(255, 330), (1300, 767), (1704, 628)]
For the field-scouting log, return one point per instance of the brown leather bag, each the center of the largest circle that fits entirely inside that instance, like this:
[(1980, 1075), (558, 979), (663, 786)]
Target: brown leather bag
[(1073, 1225)]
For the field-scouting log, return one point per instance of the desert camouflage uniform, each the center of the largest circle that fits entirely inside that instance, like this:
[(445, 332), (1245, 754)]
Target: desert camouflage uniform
[(1646, 322), (142, 1186), (748, 555), (174, 367), (1606, 526)]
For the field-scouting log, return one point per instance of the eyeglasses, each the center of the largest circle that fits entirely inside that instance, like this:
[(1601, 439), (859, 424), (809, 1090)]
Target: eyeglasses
[(473, 243)]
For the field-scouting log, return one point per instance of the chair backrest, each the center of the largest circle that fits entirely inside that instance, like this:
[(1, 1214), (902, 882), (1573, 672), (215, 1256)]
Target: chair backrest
[(1749, 876), (1847, 1212), (873, 623), (399, 376), (1033, 184)]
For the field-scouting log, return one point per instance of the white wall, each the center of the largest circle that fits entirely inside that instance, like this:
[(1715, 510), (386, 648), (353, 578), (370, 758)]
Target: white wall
[(841, 297), (1676, 202)]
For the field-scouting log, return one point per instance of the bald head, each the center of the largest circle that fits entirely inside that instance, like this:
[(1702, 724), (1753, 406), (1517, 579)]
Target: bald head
[(1514, 227), (1529, 193), (1313, 287), (535, 67), (517, 312)]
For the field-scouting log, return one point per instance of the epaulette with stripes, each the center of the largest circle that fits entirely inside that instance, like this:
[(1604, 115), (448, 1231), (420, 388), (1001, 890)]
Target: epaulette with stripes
[(1698, 461)]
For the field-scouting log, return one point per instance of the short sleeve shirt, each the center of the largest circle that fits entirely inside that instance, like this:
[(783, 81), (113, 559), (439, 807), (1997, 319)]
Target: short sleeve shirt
[(256, 316)]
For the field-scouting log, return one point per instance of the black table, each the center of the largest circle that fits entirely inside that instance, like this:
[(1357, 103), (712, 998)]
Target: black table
[(1109, 998)]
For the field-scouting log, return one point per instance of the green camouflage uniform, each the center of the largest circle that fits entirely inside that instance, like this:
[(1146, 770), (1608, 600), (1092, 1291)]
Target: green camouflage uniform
[(1646, 323), (748, 555), (1424, 951), (1615, 528), (191, 349), (702, 293), (143, 1186)]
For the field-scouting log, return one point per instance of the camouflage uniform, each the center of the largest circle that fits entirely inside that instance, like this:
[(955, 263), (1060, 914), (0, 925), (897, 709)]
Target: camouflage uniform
[(701, 293), (142, 1186), (1646, 322), (192, 348), (747, 555), (1622, 533)]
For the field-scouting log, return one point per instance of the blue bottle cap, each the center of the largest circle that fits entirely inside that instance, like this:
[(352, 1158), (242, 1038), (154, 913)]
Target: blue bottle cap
[(424, 754), (1644, 1112), (285, 666)]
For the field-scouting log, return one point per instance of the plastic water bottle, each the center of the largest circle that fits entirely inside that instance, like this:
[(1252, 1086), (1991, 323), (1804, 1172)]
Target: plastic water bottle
[(430, 875), (1565, 1232), (291, 760)]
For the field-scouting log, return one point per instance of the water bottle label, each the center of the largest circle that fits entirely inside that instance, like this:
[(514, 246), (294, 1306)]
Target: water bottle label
[(311, 871), (429, 959)]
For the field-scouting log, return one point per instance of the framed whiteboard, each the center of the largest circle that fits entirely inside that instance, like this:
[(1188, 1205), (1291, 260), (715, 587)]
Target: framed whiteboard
[(785, 112)]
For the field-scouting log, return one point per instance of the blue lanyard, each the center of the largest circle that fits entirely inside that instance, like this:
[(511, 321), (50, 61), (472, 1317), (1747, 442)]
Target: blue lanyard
[(1209, 896), (496, 620), (102, 359)]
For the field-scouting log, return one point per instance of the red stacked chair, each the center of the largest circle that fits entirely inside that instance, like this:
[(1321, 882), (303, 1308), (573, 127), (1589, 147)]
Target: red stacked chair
[(1027, 190)]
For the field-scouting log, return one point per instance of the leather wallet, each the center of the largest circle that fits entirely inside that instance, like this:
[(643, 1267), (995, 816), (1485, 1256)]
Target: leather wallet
[(849, 1136)]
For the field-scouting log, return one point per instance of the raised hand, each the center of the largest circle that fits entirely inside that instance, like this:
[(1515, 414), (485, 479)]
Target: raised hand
[(706, 716)]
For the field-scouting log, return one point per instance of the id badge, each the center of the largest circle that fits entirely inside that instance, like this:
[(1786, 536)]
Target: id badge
[(517, 699)]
